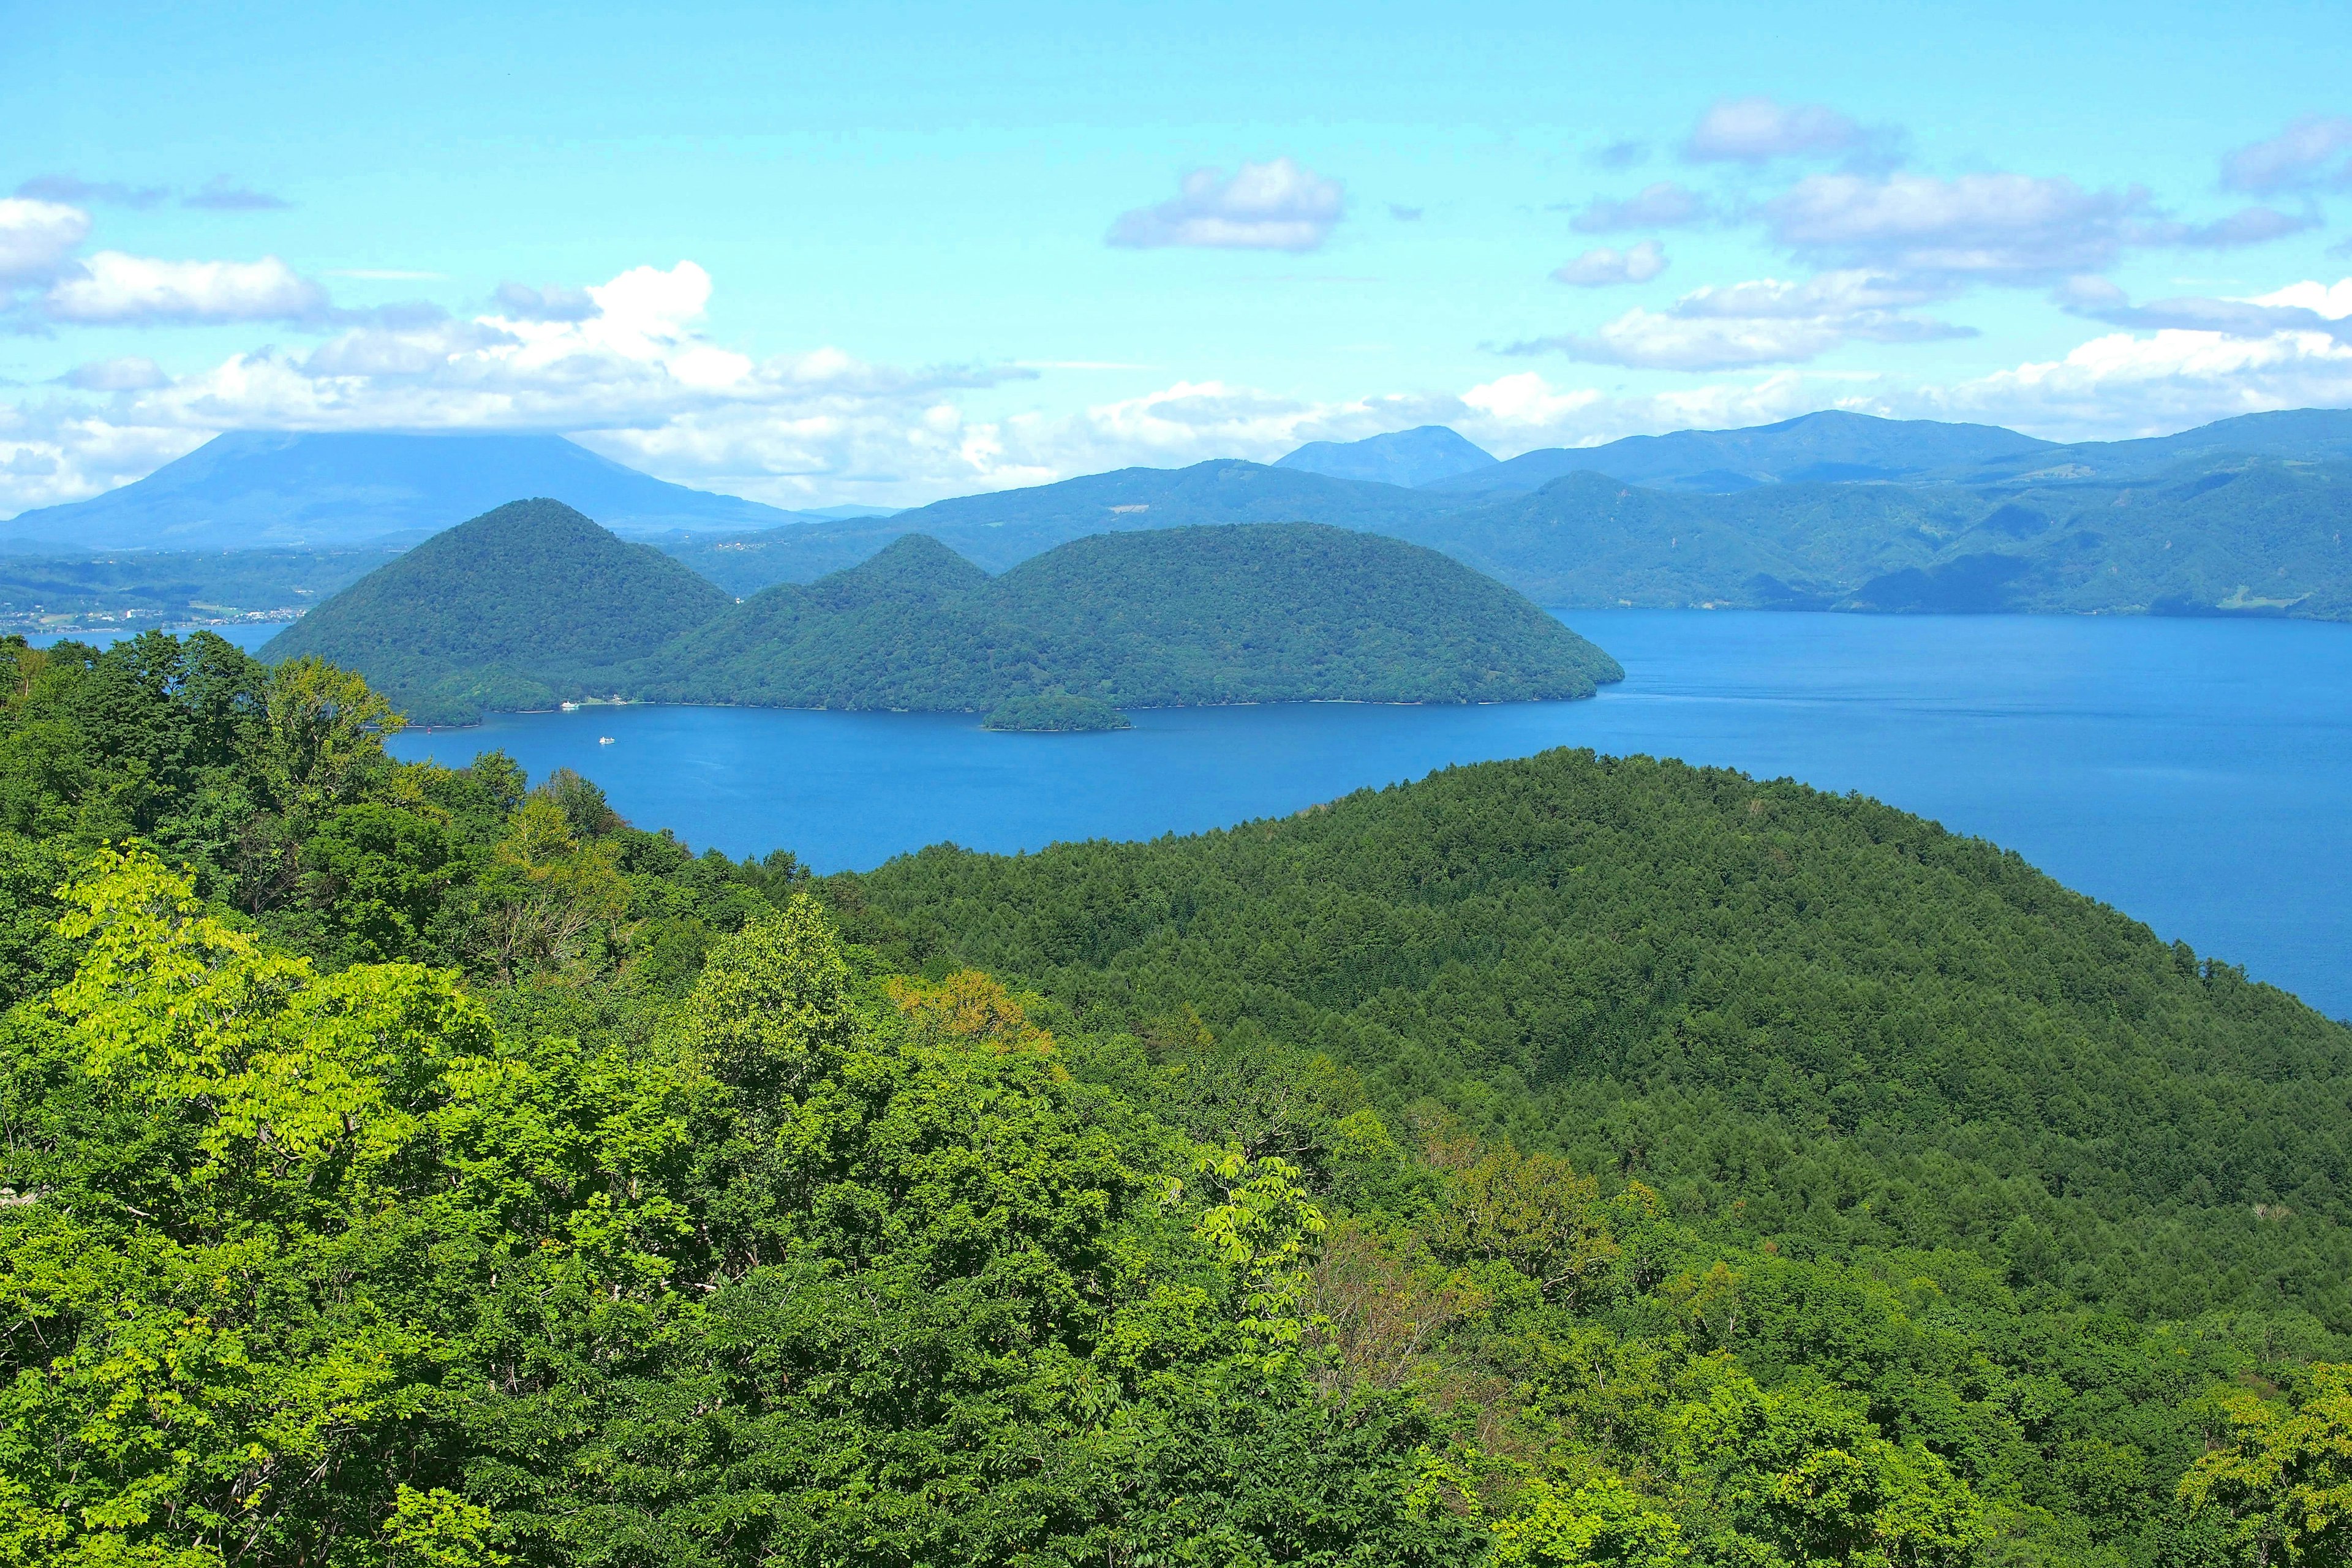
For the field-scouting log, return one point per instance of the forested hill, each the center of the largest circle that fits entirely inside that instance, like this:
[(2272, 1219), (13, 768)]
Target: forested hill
[(423, 1167), (1814, 1019), (502, 611), (1005, 527), (2262, 536), (1254, 612), (533, 603)]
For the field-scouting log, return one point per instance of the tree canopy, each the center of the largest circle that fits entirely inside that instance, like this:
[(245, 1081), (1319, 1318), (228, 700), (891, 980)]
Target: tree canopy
[(409, 1165)]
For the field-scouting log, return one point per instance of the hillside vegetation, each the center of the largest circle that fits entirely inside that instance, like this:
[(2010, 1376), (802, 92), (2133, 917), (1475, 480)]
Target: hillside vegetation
[(506, 611), (533, 603), (1564, 1163), (1172, 617), (2262, 537)]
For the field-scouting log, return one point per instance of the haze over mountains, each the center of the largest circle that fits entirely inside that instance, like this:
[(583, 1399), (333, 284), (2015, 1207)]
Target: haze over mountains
[(1831, 510), (247, 490)]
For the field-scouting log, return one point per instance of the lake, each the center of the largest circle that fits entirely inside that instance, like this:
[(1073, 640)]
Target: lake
[(2193, 773)]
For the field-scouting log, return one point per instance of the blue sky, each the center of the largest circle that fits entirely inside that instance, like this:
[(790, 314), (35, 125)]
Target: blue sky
[(886, 253)]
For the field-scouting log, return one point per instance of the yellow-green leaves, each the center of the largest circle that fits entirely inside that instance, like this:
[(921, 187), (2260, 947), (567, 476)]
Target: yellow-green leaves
[(2284, 1476), (297, 1085), (325, 729), (1262, 1232), (548, 892), (1602, 1522), (438, 1528), (772, 1005)]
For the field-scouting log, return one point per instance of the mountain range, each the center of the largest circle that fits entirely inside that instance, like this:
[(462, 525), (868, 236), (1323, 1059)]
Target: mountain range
[(1831, 510), (532, 603)]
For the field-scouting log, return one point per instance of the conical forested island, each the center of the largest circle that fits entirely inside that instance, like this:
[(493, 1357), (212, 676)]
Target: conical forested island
[(533, 603), (1570, 1161)]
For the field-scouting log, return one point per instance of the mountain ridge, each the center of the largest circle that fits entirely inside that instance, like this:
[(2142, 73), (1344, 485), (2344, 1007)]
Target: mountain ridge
[(246, 490)]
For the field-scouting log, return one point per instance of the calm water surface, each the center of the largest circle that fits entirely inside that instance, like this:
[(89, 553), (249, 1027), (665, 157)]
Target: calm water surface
[(2194, 773)]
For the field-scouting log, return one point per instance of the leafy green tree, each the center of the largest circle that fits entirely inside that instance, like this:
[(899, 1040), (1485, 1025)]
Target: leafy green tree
[(2282, 1475)]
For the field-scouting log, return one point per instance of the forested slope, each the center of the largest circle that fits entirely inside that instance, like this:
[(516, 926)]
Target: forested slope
[(1813, 1018), (2259, 536), (504, 611), (405, 1165), (1178, 617)]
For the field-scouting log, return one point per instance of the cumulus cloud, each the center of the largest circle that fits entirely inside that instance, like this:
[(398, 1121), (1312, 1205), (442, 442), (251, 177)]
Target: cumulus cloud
[(1765, 321), (220, 195), (1277, 205), (2300, 310), (1999, 228), (1603, 266), (111, 193), (634, 373), (113, 288), (1757, 130), (1665, 204), (36, 237), (2313, 152)]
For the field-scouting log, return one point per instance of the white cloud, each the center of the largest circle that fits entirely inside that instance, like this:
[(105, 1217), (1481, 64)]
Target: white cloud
[(2296, 159), (1757, 130), (2126, 383), (1992, 227), (36, 239), (1603, 266), (114, 288), (1663, 205), (1279, 205), (1766, 321), (636, 376)]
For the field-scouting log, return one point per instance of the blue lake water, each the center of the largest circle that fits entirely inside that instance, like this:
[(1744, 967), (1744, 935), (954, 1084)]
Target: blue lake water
[(2194, 773)]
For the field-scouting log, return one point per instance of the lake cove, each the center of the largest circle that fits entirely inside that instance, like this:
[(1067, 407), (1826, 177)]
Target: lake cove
[(2191, 772)]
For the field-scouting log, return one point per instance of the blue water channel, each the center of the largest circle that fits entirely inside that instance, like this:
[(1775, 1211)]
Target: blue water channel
[(2196, 775)]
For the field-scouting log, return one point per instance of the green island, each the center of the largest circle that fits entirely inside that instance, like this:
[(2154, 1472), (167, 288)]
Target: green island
[(1057, 713), (533, 603), (1566, 1161)]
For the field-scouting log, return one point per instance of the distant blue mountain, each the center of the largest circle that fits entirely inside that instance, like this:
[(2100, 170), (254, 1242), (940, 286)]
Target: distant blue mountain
[(246, 489), (2296, 434), (1833, 446), (1408, 457)]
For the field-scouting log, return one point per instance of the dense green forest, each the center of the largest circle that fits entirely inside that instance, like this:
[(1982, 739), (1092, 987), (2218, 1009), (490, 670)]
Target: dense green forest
[(1564, 1163), (533, 603), (1252, 613), (510, 610)]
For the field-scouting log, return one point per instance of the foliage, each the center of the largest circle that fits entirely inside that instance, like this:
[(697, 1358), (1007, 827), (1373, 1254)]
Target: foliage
[(1278, 613), (501, 612), (403, 1164), (1055, 712), (2282, 1478)]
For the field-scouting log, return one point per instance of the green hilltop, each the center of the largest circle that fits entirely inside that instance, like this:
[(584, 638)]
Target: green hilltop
[(1548, 1164), (522, 603), (1248, 613), (532, 603)]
